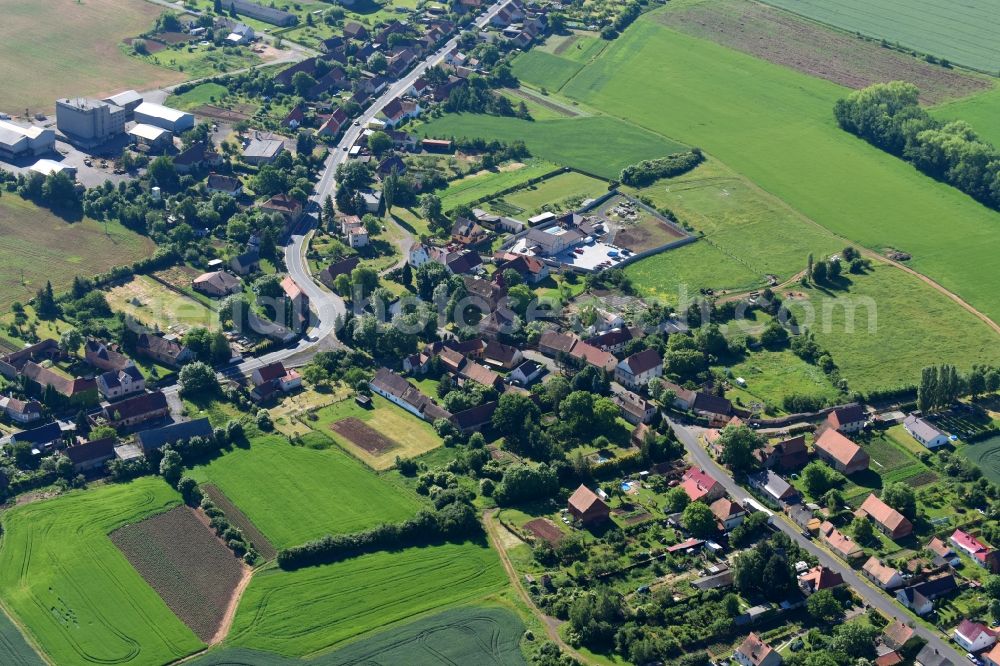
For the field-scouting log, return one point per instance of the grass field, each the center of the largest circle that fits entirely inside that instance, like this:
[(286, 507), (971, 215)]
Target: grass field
[(200, 62), (294, 493), (566, 190), (412, 436), (554, 63), (151, 303), (14, 650), (41, 246), (964, 33), (914, 326), (305, 611), (62, 576), (484, 183), (595, 144), (982, 111), (740, 223), (986, 454), (62, 48), (205, 93), (772, 375), (776, 127)]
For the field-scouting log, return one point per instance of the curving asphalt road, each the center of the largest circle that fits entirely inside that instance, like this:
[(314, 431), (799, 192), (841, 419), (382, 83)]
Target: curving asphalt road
[(872, 596)]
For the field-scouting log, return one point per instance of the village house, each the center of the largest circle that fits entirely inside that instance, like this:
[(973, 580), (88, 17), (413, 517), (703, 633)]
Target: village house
[(42, 439), (788, 454), (615, 339), (398, 111), (839, 542), (992, 658), (897, 635), (920, 597), (273, 378), (925, 432), (635, 409), (531, 270), (217, 284), (847, 419), (285, 206), (343, 267), (637, 370), (591, 355), (116, 384), (716, 409), (484, 294), (819, 578), (889, 521), (753, 651), (156, 438), (354, 230), (584, 505), (104, 357), (77, 390), (526, 373), (137, 409), (776, 487), (503, 356), (246, 263), (198, 155), (803, 516), (700, 486), (929, 656), (332, 124), (165, 352), (389, 165), (476, 418), (21, 412), (943, 551), (974, 636), (398, 391), (841, 453), (299, 302), (882, 575), (467, 232), (728, 513), (263, 151), (220, 184), (91, 455), (980, 553)]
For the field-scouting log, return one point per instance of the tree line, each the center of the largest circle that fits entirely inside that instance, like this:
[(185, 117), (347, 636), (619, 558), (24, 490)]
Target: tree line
[(889, 116), (646, 172)]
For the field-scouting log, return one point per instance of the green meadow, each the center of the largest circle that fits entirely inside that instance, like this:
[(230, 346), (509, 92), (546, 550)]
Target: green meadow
[(302, 612), (981, 111), (599, 145), (776, 127), (570, 186), (61, 576), (294, 494), (551, 65), (484, 183)]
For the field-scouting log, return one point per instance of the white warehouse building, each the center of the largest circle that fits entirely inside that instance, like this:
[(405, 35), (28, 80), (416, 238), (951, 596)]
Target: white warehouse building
[(17, 141), (163, 116)]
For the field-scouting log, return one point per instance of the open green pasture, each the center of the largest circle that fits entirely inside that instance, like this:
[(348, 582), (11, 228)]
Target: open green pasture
[(565, 190), (747, 234), (82, 601), (484, 183), (981, 111), (883, 327), (204, 93), (772, 375), (294, 493), (964, 33), (776, 127), (551, 65), (599, 145), (302, 612)]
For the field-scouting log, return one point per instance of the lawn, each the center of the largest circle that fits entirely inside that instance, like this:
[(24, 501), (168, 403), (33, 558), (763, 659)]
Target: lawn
[(153, 304), (982, 111), (474, 187), (739, 223), (412, 436), (205, 93), (302, 612), (886, 327), (964, 33), (563, 191), (295, 493), (776, 127), (83, 602), (598, 145), (63, 48), (986, 454), (772, 375), (38, 246)]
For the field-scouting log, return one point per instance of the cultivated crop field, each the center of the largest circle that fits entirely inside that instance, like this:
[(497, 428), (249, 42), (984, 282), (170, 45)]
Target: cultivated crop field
[(62, 576), (188, 566), (294, 493), (986, 454), (748, 234), (63, 48), (786, 39), (776, 127), (484, 183), (412, 436), (595, 144), (14, 650), (41, 246), (964, 33), (914, 326), (302, 612)]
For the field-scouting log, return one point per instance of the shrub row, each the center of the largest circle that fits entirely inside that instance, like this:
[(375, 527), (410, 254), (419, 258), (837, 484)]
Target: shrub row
[(648, 171)]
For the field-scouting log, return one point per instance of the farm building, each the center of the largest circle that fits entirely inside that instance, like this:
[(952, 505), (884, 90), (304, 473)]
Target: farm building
[(151, 136), (216, 284), (157, 438), (48, 167), (91, 455), (17, 141), (398, 391), (161, 350), (261, 13), (925, 432), (165, 117), (89, 121), (847, 419), (889, 521), (137, 409), (587, 507), (841, 453), (263, 151), (127, 100)]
